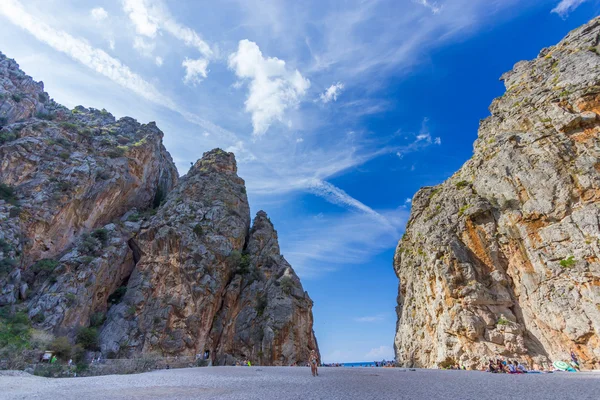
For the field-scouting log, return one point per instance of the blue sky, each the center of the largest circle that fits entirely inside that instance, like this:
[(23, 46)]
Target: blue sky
[(338, 112)]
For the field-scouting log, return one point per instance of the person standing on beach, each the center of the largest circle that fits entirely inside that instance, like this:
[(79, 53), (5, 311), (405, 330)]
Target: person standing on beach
[(574, 360), (313, 359)]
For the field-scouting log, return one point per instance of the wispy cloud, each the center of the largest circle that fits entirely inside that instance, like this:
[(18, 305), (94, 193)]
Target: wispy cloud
[(370, 318), (143, 46), (332, 93), (80, 50), (272, 87), (318, 245), (432, 5), (150, 17), (336, 195), (565, 7), (425, 135)]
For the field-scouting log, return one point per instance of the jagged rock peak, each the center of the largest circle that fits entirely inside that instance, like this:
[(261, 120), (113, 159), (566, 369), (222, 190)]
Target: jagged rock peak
[(215, 160), (262, 220)]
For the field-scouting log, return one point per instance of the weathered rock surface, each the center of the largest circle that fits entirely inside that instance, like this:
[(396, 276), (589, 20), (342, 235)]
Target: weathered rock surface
[(97, 230), (206, 281), (502, 258)]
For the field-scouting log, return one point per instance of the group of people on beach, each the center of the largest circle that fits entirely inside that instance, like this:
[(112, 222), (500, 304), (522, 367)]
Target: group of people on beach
[(506, 366), (515, 367)]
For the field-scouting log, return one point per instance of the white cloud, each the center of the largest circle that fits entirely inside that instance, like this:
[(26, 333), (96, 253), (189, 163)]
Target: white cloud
[(381, 353), (272, 88), (195, 70), (432, 5), (144, 22), (111, 44), (370, 318), (299, 140), (565, 7), (437, 141), (99, 13), (143, 46), (332, 92), (408, 201), (158, 60)]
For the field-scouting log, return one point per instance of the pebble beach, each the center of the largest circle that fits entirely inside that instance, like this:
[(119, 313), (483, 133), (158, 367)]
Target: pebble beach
[(247, 383)]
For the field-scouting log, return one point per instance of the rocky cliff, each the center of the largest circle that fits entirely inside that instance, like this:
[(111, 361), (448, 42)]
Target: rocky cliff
[(502, 258), (97, 232)]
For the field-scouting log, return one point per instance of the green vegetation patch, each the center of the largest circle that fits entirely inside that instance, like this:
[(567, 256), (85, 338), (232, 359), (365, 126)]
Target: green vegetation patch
[(97, 319), (287, 285), (88, 338), (261, 304), (7, 193), (14, 329), (45, 265), (463, 209), (462, 184), (567, 262), (101, 234), (6, 137)]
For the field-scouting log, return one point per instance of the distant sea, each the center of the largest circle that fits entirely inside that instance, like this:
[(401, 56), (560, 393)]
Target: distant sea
[(359, 364)]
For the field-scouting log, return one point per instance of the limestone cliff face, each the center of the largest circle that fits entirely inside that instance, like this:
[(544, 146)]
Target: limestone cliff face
[(69, 172), (206, 281), (97, 229), (502, 258)]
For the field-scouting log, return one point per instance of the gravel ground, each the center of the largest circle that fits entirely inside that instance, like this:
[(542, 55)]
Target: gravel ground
[(296, 383)]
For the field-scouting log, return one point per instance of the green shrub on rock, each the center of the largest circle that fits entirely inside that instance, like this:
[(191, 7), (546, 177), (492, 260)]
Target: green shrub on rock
[(88, 338), (61, 347), (6, 266), (45, 265), (97, 319), (89, 245), (7, 193), (14, 329), (261, 304), (6, 137), (287, 285), (567, 262), (101, 235)]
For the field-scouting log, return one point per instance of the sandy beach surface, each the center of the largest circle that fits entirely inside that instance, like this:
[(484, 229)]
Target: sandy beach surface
[(296, 383)]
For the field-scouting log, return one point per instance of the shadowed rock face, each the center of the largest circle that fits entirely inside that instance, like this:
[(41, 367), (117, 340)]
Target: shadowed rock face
[(502, 258), (97, 228), (206, 281)]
